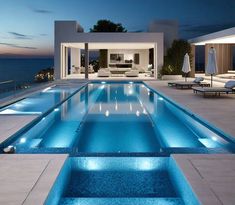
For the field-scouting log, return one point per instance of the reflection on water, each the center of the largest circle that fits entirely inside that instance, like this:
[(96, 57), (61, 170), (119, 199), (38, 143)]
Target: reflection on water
[(118, 118)]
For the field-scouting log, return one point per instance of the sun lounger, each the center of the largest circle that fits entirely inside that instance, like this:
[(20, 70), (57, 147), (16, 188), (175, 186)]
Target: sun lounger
[(227, 89), (189, 84)]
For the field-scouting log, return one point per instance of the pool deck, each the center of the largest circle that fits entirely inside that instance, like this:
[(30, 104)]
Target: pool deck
[(219, 111), (211, 177), (10, 124), (27, 179)]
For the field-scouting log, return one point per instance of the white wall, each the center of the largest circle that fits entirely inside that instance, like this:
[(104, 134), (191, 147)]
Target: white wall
[(144, 56), (67, 32), (75, 58)]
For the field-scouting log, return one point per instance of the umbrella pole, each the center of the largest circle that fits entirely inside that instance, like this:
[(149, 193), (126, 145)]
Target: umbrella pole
[(211, 79)]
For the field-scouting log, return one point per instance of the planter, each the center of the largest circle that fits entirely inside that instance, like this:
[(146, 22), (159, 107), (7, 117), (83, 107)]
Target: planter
[(172, 77)]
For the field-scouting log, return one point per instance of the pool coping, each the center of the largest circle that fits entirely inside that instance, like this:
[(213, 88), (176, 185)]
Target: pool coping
[(31, 185), (212, 182)]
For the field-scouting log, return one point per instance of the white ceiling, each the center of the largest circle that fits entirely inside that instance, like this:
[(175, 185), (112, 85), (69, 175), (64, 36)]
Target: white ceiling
[(96, 46), (224, 40)]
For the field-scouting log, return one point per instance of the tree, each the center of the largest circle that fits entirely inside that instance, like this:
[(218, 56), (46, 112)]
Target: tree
[(173, 61), (104, 25)]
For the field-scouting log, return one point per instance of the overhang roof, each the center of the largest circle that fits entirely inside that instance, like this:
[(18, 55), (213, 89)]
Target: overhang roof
[(96, 46), (226, 36)]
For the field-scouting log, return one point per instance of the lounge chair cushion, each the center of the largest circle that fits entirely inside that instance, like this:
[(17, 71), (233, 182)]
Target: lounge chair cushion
[(198, 79), (230, 84)]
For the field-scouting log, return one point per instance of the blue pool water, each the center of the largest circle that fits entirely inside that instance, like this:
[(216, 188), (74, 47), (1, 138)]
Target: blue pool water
[(119, 118), (121, 180), (39, 102)]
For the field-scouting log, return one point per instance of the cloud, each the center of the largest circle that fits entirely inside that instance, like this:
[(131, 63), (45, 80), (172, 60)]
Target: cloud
[(43, 34), (19, 35), (41, 11), (16, 46)]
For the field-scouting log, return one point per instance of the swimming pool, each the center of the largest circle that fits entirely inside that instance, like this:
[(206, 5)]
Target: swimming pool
[(39, 102), (121, 180), (111, 118)]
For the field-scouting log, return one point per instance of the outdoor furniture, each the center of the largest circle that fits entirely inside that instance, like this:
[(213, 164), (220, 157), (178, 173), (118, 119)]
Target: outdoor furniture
[(120, 71), (90, 69), (189, 84), (227, 89), (104, 72), (132, 73), (75, 69)]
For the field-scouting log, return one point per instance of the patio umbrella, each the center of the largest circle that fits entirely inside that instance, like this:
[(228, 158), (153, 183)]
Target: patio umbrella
[(186, 65), (211, 67)]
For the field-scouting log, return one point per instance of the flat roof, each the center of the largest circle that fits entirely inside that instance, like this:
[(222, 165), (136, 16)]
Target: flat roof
[(94, 46), (226, 36)]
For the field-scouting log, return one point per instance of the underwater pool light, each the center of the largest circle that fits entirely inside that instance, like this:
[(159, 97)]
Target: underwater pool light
[(103, 82), (106, 113), (22, 140), (56, 109), (92, 164), (160, 98), (145, 164), (214, 138), (137, 113)]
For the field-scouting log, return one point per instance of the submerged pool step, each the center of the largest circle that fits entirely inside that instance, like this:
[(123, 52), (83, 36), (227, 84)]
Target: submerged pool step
[(119, 183), (121, 201)]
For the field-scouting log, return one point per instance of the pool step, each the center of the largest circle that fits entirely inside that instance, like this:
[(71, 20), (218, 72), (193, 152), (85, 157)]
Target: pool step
[(121, 201)]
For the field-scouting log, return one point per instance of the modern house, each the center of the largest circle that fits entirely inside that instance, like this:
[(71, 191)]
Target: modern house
[(224, 44), (120, 54)]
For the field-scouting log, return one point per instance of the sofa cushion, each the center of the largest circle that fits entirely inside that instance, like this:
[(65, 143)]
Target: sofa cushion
[(230, 84), (198, 79)]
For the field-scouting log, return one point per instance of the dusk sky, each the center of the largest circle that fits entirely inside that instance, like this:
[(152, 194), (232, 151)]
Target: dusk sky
[(27, 27)]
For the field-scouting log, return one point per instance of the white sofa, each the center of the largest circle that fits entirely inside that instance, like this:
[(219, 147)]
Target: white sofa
[(90, 69), (119, 70), (132, 73), (104, 72), (139, 68)]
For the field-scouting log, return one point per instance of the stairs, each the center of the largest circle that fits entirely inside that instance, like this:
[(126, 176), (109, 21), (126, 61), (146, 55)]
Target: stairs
[(121, 201)]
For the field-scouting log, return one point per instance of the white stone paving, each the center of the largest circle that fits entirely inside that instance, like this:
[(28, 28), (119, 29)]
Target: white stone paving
[(212, 177), (27, 179), (10, 124)]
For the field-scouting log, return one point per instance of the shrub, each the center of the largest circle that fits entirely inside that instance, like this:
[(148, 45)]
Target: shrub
[(174, 59)]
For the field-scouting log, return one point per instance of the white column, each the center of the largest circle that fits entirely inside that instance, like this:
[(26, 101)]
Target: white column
[(66, 61), (75, 58), (155, 60), (63, 62)]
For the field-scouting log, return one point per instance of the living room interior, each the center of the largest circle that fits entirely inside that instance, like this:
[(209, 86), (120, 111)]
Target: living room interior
[(111, 61)]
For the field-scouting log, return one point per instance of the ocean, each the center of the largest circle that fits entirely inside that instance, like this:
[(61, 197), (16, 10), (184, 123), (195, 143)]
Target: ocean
[(22, 70)]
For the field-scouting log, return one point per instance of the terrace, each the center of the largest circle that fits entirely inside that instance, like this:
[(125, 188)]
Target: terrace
[(199, 170)]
